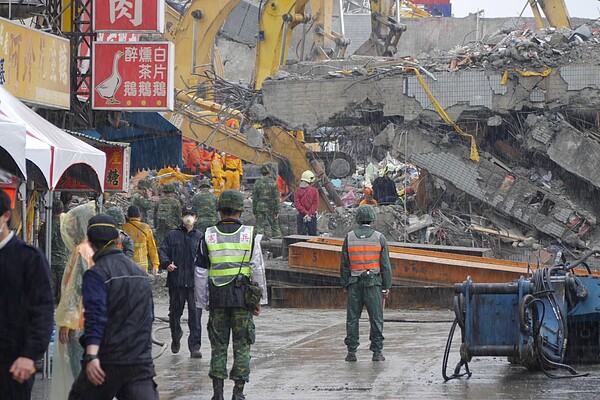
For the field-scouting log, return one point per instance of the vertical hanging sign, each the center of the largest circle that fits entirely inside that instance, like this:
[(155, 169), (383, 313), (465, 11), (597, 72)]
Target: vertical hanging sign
[(133, 76), (142, 16)]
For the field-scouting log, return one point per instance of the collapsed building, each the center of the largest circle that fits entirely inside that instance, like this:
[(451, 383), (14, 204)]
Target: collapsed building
[(529, 99)]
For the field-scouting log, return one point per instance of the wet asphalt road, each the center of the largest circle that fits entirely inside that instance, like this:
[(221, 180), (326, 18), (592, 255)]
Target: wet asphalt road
[(299, 354)]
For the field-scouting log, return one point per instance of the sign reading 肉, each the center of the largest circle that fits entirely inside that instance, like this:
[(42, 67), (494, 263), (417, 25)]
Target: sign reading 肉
[(133, 76), (142, 16)]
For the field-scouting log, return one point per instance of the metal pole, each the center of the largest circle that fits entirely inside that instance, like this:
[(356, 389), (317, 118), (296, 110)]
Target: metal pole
[(398, 11), (48, 232), (342, 26), (23, 201), (282, 50)]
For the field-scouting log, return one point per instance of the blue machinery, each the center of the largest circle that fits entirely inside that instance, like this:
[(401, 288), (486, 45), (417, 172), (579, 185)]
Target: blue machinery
[(540, 322)]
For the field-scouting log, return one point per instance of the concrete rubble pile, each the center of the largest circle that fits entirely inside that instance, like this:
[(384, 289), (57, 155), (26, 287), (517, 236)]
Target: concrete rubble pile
[(529, 98)]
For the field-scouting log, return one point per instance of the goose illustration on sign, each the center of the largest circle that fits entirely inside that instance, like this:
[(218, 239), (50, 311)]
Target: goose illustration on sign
[(139, 78), (109, 87)]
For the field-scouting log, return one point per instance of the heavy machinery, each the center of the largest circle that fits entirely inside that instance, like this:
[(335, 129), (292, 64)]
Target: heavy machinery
[(555, 11), (193, 29), (385, 30), (542, 321)]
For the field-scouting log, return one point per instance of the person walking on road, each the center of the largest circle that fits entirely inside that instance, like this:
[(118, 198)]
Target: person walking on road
[(365, 273), (206, 205), (177, 254), (143, 241), (66, 361), (119, 311), (306, 200), (265, 203), (26, 308), (231, 283)]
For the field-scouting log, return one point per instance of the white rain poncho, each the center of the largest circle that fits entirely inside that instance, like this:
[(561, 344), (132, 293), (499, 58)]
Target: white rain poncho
[(69, 313)]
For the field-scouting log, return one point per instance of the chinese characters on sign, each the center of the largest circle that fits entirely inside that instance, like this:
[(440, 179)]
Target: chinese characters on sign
[(34, 66), (140, 76), (143, 16), (117, 168)]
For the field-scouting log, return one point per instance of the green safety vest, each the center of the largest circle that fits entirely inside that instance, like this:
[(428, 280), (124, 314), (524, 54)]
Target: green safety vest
[(229, 253)]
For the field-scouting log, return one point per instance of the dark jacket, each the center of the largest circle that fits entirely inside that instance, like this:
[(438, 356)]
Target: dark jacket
[(180, 247), (26, 309), (384, 190), (232, 294), (117, 299)]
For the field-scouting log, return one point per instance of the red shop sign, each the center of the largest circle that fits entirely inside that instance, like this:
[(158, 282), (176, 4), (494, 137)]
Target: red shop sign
[(133, 76), (142, 16)]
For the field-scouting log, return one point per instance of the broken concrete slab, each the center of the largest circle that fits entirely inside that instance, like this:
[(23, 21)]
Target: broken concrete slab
[(301, 102), (487, 182)]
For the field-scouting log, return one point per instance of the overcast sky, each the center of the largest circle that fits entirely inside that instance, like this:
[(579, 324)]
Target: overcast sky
[(512, 8)]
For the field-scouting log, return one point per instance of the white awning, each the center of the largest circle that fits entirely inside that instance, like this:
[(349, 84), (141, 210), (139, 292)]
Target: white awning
[(12, 139), (65, 150)]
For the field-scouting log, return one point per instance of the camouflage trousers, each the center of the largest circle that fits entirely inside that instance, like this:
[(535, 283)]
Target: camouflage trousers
[(264, 218), (238, 323)]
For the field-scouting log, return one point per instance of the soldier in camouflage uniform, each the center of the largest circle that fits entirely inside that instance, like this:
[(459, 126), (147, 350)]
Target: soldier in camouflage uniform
[(125, 242), (265, 203), (206, 204), (228, 259), (142, 200), (167, 213)]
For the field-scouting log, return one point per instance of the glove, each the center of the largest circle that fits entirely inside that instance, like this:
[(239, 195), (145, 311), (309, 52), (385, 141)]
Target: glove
[(307, 218)]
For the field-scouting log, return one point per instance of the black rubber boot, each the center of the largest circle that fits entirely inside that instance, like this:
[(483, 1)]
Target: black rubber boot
[(351, 356), (217, 389), (238, 391)]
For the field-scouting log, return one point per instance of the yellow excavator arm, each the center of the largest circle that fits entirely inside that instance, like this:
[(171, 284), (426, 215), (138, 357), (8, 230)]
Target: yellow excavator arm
[(385, 30), (193, 34), (555, 11), (322, 18), (276, 22)]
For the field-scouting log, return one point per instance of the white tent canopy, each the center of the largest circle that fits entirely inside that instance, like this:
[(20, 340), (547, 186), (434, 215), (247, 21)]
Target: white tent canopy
[(12, 139), (65, 150)]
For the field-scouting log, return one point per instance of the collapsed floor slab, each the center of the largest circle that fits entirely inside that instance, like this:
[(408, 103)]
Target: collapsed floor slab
[(491, 183)]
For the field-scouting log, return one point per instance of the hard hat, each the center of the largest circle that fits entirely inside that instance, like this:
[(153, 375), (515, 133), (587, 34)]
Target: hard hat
[(265, 169), (368, 191), (189, 210), (389, 168), (168, 187), (117, 214), (365, 214), (232, 199), (308, 176)]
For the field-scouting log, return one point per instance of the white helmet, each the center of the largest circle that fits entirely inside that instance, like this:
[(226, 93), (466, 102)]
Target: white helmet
[(389, 169), (308, 176)]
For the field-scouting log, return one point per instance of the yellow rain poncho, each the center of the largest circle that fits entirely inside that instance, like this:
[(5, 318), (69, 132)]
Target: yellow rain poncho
[(69, 313)]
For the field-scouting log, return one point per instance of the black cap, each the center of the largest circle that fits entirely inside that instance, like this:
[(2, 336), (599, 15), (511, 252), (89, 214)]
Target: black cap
[(102, 228), (189, 210)]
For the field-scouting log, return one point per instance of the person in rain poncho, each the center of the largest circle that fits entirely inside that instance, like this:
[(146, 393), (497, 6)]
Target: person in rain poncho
[(69, 313)]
